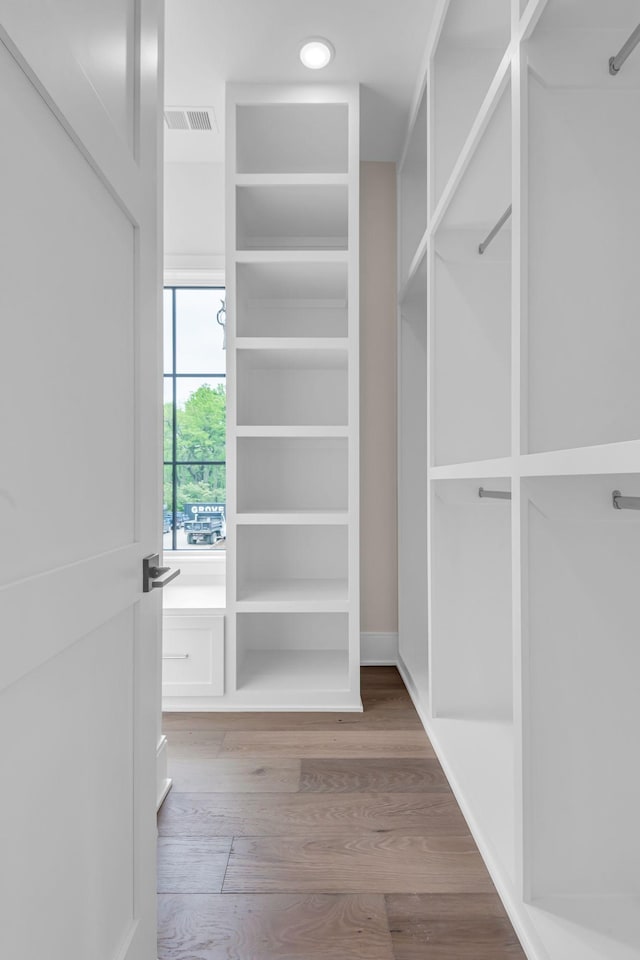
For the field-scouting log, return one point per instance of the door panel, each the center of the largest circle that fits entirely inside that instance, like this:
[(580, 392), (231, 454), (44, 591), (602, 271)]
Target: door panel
[(85, 903), (75, 348), (102, 38), (80, 482)]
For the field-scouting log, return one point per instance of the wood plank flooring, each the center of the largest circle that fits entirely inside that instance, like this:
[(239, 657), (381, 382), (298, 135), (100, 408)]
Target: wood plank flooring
[(319, 837)]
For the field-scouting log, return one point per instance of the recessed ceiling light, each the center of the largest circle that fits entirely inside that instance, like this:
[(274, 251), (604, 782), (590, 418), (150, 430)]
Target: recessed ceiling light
[(316, 53)]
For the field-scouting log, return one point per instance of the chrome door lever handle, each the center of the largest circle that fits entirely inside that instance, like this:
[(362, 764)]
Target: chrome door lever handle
[(151, 573)]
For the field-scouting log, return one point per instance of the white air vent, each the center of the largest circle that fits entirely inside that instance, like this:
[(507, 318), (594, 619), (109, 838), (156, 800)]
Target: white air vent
[(190, 118)]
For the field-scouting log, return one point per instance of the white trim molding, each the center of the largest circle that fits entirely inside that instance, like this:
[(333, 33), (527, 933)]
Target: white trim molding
[(206, 270), (164, 782), (378, 649)]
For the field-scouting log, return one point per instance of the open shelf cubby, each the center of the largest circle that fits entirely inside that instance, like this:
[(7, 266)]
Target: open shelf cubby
[(292, 217), (474, 38), (412, 186), (292, 563), (292, 652), (582, 713), (471, 652), (292, 387), (292, 138), (292, 300), (471, 601), (292, 474), (583, 238), (472, 312), (412, 477)]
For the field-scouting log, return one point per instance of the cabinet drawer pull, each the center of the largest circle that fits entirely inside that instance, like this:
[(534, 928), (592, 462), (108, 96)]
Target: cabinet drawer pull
[(176, 656)]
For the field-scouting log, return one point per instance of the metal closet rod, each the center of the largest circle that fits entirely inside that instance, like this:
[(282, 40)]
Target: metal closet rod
[(616, 62), (624, 503), (494, 494), (498, 227)]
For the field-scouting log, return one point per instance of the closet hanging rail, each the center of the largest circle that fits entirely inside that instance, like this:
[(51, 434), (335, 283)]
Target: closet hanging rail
[(616, 62), (498, 227), (624, 503), (494, 494)]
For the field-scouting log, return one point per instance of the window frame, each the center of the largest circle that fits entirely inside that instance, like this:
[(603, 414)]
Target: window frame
[(174, 376)]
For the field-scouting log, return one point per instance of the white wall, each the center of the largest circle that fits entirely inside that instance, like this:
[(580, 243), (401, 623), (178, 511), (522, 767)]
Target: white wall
[(194, 242), (193, 216)]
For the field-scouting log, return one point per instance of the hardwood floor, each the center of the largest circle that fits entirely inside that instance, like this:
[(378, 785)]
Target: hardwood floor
[(319, 837)]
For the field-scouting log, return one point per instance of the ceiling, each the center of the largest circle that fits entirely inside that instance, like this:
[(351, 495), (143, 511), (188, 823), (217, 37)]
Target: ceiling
[(378, 43)]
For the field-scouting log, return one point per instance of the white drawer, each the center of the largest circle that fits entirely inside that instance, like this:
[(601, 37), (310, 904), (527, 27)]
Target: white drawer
[(193, 656)]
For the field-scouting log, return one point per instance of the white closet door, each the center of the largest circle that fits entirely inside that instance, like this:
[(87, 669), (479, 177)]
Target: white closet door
[(80, 499)]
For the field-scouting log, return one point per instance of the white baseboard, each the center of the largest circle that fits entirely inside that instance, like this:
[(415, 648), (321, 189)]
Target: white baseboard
[(163, 782), (378, 649)]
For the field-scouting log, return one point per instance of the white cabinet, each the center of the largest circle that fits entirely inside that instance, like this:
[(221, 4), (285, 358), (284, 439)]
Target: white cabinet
[(293, 502), (518, 374), (192, 655), (193, 636)]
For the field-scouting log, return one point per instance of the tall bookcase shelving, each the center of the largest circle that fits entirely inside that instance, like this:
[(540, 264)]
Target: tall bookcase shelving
[(292, 516), (518, 375)]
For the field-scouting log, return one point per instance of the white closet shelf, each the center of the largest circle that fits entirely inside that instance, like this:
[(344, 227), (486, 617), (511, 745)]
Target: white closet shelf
[(291, 431), (290, 216), (298, 356), (294, 670), (332, 594), (292, 138), (623, 457), (320, 517), (316, 345), (291, 179), (292, 256), (502, 467)]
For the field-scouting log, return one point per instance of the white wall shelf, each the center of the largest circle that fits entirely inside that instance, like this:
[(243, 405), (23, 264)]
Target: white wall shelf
[(293, 633), (293, 475), (296, 386), (292, 300), (292, 217), (297, 652), (298, 344), (294, 517), (518, 372), (290, 138), (292, 562), (285, 430), (502, 467)]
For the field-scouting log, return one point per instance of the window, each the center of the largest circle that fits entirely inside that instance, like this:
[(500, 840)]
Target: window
[(195, 405)]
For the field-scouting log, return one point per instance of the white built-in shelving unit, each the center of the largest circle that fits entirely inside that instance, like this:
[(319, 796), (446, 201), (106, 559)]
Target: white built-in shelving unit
[(292, 616), (518, 374)]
